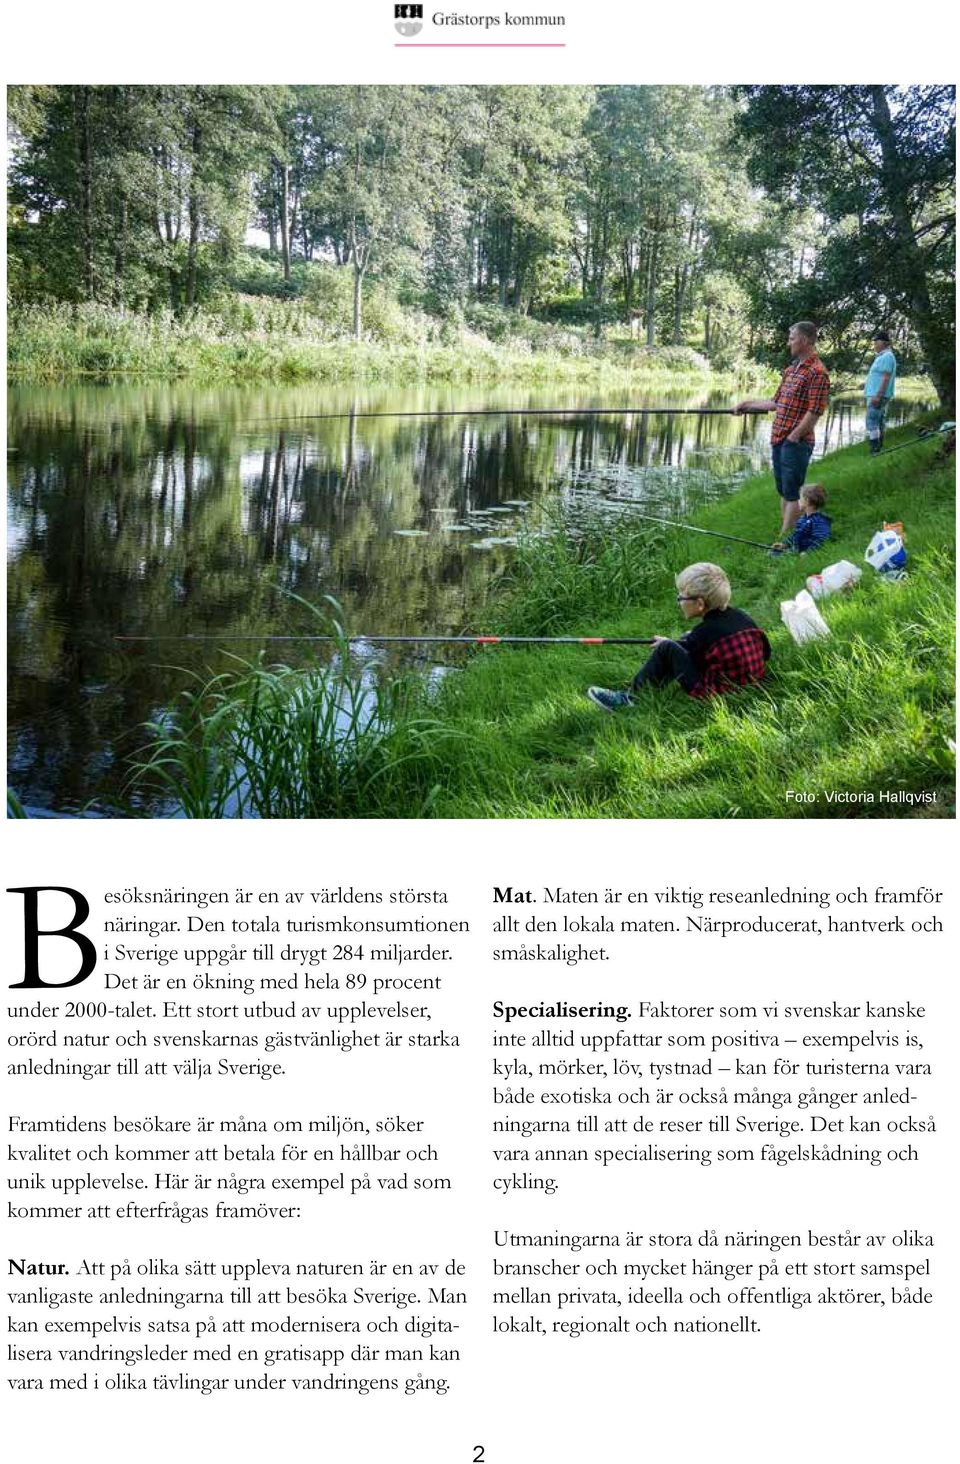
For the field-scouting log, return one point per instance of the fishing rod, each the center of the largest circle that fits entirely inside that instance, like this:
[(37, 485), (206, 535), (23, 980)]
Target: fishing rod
[(451, 640), (521, 412), (920, 437), (692, 528)]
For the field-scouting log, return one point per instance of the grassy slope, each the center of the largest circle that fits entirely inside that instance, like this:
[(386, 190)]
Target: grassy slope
[(869, 708)]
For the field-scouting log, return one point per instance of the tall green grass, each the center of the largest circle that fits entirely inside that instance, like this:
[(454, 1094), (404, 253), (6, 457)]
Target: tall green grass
[(868, 710), (560, 578), (269, 741), (261, 338), (262, 740)]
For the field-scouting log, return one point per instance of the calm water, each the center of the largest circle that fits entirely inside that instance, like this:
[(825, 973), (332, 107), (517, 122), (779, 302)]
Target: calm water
[(167, 511)]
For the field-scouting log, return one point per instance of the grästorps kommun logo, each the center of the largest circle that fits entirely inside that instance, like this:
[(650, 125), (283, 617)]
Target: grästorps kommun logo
[(408, 19)]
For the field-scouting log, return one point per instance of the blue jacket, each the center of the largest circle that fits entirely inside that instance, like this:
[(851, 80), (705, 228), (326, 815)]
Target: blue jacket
[(811, 529)]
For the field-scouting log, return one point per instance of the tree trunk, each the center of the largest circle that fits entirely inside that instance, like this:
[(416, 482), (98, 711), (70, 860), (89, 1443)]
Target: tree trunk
[(81, 95), (651, 302), (120, 251), (193, 210), (518, 283), (629, 275), (504, 261), (682, 281), (585, 263), (285, 218), (357, 300), (294, 215), (123, 212), (601, 252), (191, 296)]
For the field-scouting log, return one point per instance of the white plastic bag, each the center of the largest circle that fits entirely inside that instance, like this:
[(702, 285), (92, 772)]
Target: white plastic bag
[(836, 577), (886, 553), (803, 619)]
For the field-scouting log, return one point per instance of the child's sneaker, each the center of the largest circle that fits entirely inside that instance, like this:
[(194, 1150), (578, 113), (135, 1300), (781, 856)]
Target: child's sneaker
[(611, 701)]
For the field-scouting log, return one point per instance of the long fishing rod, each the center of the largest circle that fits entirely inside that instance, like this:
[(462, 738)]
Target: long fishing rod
[(451, 640), (520, 412), (692, 528), (920, 437)]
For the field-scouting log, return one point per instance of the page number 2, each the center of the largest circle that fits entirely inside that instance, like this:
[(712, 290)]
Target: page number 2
[(478, 1454)]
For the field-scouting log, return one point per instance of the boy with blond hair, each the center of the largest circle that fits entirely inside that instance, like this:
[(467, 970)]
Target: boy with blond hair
[(726, 650)]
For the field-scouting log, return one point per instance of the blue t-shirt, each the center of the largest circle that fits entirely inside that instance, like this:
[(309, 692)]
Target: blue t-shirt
[(886, 361)]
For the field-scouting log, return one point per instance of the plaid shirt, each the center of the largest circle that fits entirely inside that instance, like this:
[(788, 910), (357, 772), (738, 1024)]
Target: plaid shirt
[(728, 650), (804, 387)]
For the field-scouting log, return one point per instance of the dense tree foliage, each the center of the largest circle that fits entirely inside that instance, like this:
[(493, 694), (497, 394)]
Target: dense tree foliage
[(878, 164), (678, 215)]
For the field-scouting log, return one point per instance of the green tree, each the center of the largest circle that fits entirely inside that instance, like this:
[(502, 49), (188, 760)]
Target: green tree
[(521, 163), (133, 195), (655, 173), (878, 162), (379, 182), (209, 140)]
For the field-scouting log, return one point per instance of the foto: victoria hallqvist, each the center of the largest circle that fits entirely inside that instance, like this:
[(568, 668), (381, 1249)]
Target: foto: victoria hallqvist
[(864, 796)]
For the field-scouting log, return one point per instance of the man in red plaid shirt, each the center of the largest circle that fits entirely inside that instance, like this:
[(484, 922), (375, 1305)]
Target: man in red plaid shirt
[(725, 651), (800, 399)]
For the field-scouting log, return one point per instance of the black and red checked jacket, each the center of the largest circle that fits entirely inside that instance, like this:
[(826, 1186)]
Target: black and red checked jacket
[(727, 649)]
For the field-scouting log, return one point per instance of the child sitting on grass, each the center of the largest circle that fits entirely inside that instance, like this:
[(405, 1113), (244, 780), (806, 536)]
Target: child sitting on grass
[(724, 651), (812, 527)]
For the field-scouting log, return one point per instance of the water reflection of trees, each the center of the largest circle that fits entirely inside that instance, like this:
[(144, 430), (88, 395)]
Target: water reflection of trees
[(169, 511)]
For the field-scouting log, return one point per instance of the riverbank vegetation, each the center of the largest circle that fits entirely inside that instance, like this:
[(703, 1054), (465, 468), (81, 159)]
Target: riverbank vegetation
[(243, 339), (239, 232), (860, 724)]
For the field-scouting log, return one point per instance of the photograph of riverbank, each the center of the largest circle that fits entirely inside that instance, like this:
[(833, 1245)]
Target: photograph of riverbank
[(282, 388)]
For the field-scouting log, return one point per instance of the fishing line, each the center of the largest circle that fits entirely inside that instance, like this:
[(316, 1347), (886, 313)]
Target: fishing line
[(452, 640), (516, 412), (691, 528)]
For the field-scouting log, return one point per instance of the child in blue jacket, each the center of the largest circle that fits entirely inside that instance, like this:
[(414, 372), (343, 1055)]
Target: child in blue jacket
[(813, 526)]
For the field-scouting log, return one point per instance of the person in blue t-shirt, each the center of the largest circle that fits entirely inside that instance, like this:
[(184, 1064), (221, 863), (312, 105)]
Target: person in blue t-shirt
[(878, 388)]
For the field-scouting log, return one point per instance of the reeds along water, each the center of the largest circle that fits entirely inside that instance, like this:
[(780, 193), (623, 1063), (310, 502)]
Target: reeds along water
[(263, 741)]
